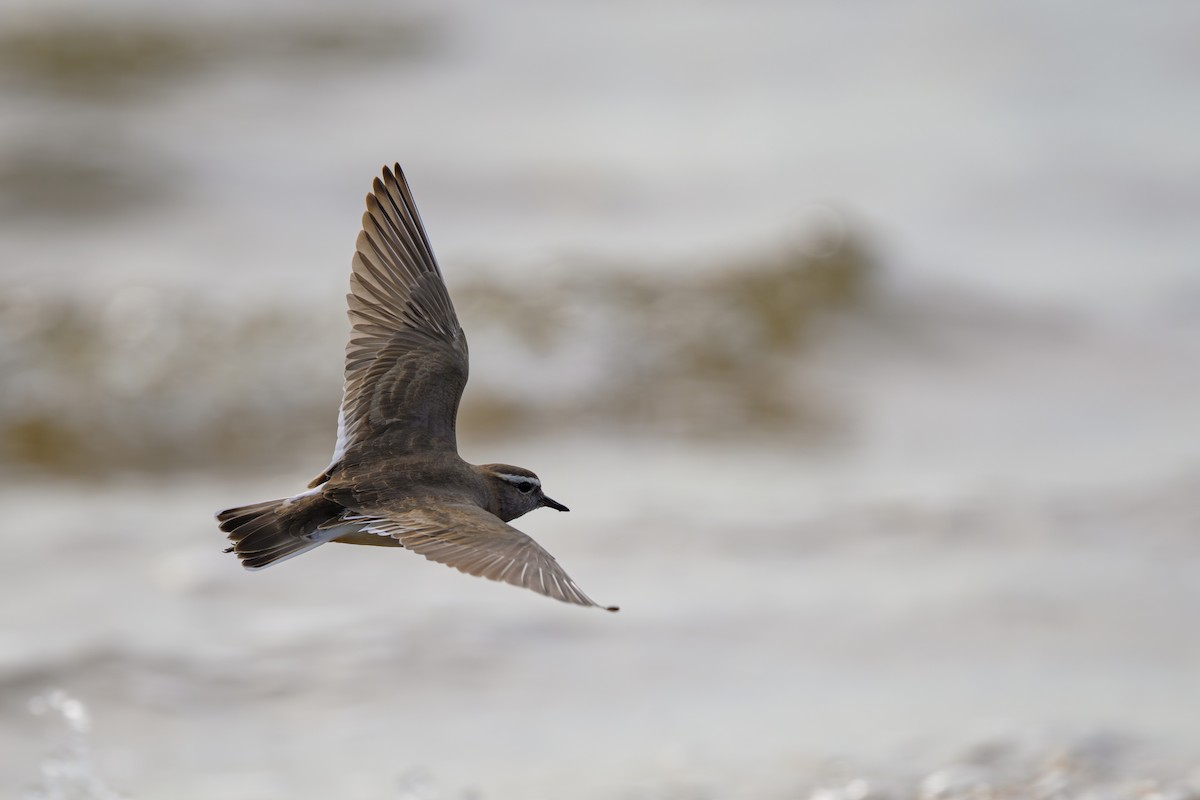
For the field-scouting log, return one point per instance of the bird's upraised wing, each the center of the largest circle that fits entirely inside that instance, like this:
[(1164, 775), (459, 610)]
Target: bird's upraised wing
[(471, 540), (406, 361)]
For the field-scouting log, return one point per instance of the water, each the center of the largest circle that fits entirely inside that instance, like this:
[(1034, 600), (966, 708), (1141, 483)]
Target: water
[(931, 537), (68, 773), (992, 147)]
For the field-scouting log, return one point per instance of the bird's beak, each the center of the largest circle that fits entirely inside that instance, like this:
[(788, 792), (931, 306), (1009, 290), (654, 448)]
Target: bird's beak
[(557, 506)]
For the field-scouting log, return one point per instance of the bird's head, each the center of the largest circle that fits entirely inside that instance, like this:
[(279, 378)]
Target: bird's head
[(516, 491)]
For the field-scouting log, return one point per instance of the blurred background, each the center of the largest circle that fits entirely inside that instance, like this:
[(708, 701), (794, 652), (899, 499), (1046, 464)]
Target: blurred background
[(863, 340)]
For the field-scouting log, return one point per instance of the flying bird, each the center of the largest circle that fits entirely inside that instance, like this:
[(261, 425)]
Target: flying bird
[(396, 478)]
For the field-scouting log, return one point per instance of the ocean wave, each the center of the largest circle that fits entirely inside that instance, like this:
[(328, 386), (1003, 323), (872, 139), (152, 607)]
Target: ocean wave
[(151, 380)]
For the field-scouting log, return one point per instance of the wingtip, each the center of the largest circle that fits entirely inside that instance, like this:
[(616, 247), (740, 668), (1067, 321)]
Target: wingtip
[(393, 173)]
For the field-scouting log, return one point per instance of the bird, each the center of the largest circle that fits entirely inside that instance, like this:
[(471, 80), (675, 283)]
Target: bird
[(396, 478)]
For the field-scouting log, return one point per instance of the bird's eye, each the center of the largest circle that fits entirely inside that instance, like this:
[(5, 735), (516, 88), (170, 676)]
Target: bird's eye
[(525, 487)]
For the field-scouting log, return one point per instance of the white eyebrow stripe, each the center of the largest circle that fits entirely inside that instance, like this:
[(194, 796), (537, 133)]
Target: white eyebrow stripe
[(518, 478)]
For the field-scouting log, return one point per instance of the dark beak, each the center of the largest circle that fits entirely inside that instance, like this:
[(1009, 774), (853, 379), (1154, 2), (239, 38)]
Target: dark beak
[(557, 506)]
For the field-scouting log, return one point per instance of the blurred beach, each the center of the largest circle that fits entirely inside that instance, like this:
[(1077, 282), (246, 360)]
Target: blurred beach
[(862, 341)]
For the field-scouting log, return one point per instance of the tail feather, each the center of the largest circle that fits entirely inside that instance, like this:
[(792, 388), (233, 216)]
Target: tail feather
[(265, 533)]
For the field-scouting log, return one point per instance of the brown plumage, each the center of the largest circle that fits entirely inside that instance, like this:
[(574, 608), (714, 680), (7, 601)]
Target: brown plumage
[(396, 478)]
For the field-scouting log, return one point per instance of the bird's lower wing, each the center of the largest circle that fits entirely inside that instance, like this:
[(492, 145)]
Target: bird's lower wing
[(473, 541)]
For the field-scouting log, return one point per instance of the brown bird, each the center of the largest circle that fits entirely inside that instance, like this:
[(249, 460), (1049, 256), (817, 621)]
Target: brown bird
[(396, 478)]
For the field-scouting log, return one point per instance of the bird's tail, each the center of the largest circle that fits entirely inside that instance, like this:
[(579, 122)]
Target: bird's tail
[(264, 533)]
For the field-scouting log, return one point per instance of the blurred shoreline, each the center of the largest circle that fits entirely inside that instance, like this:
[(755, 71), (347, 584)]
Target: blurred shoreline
[(150, 381), (864, 345)]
